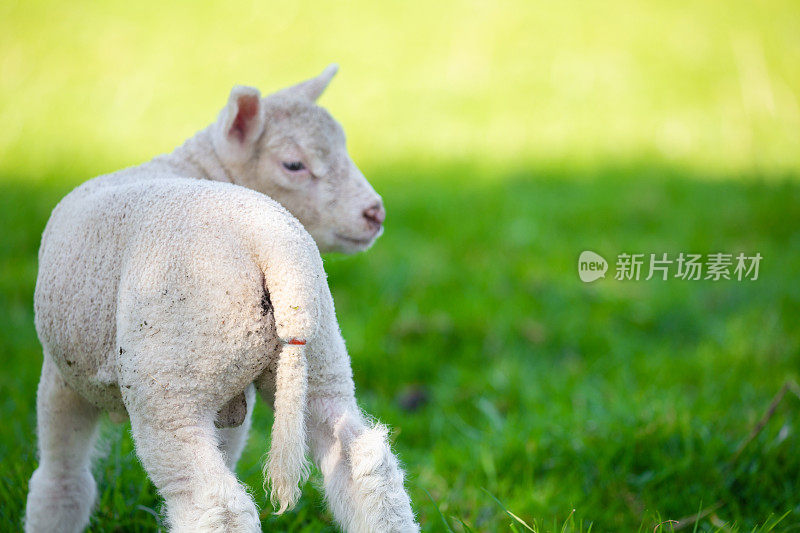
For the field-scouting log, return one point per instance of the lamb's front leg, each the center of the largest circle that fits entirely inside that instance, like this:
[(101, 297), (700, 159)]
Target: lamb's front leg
[(363, 480), (179, 448), (62, 490)]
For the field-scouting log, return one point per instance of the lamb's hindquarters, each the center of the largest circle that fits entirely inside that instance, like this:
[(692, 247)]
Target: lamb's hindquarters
[(192, 337), (185, 463), (186, 457), (62, 490)]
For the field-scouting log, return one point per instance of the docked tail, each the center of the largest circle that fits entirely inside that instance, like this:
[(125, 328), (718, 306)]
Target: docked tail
[(294, 282), (286, 467)]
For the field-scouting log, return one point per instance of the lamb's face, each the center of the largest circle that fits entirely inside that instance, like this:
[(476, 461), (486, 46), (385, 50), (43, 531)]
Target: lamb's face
[(289, 148), (303, 164)]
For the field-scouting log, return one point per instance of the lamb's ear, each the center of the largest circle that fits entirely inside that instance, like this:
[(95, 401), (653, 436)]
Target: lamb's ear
[(313, 88), (242, 120)]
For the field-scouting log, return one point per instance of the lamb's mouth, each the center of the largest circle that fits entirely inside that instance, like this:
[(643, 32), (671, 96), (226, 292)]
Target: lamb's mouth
[(357, 242)]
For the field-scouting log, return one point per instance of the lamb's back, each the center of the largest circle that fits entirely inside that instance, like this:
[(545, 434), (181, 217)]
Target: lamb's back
[(129, 226)]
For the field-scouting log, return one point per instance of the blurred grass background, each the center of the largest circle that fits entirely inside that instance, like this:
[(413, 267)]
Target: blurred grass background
[(505, 137)]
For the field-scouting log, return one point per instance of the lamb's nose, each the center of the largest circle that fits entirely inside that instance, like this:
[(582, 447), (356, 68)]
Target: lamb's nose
[(375, 214)]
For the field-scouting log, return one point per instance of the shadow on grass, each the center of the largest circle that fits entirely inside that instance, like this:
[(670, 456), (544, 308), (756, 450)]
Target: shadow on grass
[(622, 400)]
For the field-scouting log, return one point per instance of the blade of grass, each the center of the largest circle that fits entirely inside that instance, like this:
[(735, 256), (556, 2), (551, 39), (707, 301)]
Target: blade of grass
[(467, 529), (773, 406), (444, 520), (509, 513), (564, 526)]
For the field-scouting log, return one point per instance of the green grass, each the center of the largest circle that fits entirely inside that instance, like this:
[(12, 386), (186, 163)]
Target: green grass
[(624, 401), (506, 138)]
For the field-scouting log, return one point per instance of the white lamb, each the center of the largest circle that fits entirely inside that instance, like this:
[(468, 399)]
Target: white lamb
[(172, 299)]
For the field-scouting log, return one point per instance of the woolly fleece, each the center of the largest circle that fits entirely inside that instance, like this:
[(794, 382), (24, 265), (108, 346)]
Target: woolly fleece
[(171, 299)]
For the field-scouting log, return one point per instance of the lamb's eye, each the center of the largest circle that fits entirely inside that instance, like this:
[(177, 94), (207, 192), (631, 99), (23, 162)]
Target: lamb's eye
[(293, 166)]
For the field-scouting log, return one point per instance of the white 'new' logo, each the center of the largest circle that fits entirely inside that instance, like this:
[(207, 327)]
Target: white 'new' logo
[(591, 266)]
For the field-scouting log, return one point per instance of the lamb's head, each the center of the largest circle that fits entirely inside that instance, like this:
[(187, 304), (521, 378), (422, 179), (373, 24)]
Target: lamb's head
[(289, 148)]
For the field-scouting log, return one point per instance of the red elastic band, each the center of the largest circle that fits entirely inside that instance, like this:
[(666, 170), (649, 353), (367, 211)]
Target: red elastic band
[(297, 342)]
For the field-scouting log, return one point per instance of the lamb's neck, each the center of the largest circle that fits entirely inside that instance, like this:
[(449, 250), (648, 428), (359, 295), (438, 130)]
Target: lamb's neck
[(196, 158)]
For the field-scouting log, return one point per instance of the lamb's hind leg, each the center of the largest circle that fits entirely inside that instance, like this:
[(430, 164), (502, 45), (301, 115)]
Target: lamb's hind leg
[(363, 480), (179, 448), (62, 490)]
